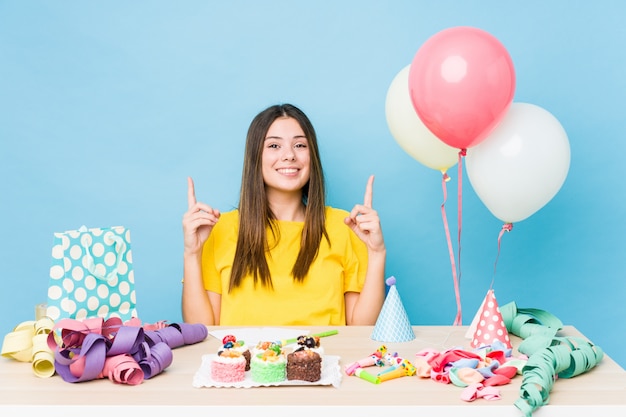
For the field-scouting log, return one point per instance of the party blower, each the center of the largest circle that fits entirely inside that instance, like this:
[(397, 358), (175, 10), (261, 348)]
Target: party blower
[(403, 368), (285, 342), (375, 359)]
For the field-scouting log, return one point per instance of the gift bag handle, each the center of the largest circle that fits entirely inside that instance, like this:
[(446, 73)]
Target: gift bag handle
[(120, 248)]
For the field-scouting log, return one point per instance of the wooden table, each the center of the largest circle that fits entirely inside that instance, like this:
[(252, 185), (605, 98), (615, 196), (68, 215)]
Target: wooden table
[(602, 390)]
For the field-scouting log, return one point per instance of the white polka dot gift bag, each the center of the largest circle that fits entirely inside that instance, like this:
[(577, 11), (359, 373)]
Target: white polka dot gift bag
[(91, 275)]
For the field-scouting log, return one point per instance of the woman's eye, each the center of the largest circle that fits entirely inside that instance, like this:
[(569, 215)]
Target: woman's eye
[(273, 145), (301, 145)]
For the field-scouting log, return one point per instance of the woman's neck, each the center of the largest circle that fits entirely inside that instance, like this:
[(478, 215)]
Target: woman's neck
[(288, 208)]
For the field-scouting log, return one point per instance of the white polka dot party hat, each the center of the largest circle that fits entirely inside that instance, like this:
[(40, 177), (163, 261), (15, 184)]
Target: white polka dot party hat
[(488, 325), (393, 323)]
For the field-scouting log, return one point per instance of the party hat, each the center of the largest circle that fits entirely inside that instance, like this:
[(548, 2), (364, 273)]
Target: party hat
[(489, 324), (472, 327), (393, 323)]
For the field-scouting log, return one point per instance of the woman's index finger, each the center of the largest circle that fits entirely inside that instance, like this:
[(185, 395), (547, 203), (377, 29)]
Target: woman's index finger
[(191, 193), (369, 193)]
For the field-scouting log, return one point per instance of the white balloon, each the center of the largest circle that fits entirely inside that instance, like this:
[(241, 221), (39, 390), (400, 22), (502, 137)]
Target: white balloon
[(521, 165), (410, 132)]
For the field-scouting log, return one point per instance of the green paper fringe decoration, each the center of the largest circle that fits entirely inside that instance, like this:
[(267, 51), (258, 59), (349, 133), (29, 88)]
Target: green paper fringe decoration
[(549, 356)]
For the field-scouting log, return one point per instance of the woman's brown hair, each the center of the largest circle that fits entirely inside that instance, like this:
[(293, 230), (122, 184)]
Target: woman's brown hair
[(255, 215)]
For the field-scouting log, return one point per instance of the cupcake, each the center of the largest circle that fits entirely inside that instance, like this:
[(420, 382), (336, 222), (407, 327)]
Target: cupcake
[(304, 365), (268, 363), (231, 342), (228, 366), (305, 362)]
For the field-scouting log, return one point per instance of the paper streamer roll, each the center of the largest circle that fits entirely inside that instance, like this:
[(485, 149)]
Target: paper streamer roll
[(28, 343), (42, 358), (549, 357)]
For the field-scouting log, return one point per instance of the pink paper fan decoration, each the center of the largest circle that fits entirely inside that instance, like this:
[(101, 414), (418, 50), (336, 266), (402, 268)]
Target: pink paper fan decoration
[(490, 325)]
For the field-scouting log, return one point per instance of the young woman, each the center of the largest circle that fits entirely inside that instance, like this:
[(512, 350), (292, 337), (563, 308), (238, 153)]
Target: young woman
[(283, 257)]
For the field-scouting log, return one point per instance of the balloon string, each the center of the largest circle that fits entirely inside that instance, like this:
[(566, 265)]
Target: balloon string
[(462, 153), (445, 179), (506, 227)]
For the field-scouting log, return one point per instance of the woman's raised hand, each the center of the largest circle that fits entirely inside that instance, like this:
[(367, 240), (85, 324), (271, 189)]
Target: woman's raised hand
[(198, 221), (364, 220)]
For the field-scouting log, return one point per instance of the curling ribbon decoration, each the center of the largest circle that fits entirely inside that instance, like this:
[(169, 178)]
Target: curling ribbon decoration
[(27, 343), (550, 357), (43, 358), (126, 353)]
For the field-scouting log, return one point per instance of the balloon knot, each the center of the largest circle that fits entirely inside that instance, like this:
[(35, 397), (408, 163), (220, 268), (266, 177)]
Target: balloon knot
[(446, 177), (463, 152), (507, 227)]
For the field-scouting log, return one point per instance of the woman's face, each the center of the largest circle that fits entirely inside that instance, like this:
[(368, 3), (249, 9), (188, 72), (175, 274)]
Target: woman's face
[(286, 158)]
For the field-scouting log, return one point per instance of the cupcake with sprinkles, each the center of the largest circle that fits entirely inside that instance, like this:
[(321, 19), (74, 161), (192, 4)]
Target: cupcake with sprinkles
[(230, 363), (305, 362), (231, 342), (268, 364)]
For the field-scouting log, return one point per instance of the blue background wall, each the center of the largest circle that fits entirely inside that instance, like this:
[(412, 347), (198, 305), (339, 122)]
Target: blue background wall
[(107, 107)]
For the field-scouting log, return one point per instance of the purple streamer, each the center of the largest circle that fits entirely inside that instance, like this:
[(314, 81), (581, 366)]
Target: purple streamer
[(150, 349)]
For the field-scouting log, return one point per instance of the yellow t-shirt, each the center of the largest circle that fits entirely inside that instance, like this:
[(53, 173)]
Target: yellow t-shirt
[(318, 301)]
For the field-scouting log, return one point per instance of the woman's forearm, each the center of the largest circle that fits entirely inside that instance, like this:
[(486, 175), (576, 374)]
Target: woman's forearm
[(372, 296), (196, 306)]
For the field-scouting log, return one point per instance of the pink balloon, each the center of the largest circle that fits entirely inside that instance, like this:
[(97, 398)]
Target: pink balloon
[(461, 84)]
